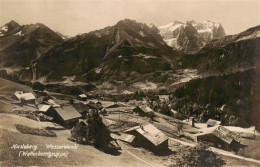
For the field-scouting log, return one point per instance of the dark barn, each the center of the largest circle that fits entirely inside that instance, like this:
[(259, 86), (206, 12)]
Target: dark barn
[(221, 138), (66, 116), (149, 137)]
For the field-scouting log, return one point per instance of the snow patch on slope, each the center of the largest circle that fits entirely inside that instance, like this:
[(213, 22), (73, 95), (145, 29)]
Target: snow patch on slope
[(98, 35), (145, 56), (19, 33), (172, 42), (5, 28), (256, 34), (170, 27), (186, 75), (142, 33), (145, 86), (127, 92), (98, 70)]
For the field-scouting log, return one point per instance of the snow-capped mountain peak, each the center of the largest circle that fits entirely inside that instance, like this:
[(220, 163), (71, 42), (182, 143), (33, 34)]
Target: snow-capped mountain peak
[(8, 28), (191, 34), (171, 25)]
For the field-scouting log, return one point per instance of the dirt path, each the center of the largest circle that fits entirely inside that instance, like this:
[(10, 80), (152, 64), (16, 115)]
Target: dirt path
[(136, 157), (226, 153)]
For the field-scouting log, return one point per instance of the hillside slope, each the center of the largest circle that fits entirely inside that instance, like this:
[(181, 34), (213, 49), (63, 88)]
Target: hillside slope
[(117, 51), (21, 45), (228, 54)]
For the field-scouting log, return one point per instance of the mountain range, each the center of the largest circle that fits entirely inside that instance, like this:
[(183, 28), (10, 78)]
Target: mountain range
[(191, 36), (126, 50), (117, 51)]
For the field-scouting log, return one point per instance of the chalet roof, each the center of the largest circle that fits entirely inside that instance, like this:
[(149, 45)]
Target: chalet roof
[(24, 96), (226, 135), (132, 128), (151, 133), (28, 96), (67, 112), (53, 103), (174, 111), (84, 121), (40, 99), (107, 122), (164, 97), (43, 107), (82, 95), (213, 122), (146, 109), (126, 137)]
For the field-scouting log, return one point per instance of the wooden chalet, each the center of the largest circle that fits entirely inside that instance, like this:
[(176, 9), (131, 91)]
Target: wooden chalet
[(66, 116), (149, 137), (221, 137)]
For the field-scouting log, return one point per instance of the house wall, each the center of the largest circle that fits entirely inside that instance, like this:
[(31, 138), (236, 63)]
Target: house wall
[(208, 125), (214, 141), (82, 98), (235, 146), (163, 146), (51, 112), (28, 101), (56, 117), (70, 123)]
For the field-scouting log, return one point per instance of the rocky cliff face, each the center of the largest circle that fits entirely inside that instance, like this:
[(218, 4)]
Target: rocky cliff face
[(190, 37)]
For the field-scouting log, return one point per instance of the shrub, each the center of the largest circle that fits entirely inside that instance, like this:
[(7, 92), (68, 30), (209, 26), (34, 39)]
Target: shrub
[(35, 131), (38, 86), (198, 156)]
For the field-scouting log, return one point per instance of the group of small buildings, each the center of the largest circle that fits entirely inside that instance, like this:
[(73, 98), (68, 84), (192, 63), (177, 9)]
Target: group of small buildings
[(65, 115), (147, 136), (28, 98)]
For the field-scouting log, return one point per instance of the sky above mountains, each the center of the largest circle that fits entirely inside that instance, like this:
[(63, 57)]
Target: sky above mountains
[(71, 17)]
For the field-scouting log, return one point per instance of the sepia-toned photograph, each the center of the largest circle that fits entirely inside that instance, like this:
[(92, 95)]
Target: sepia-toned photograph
[(130, 83)]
